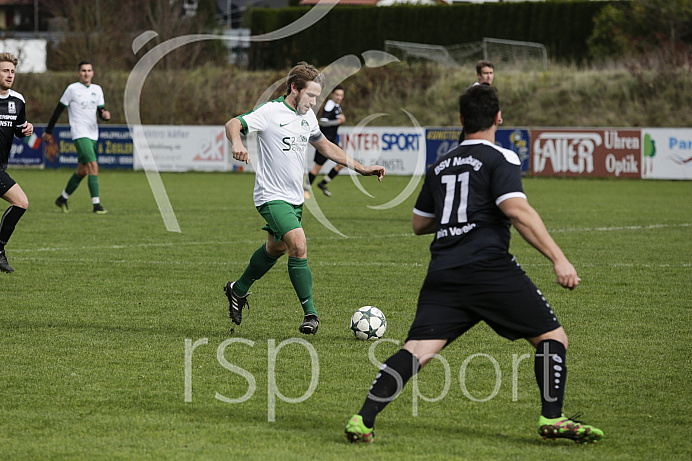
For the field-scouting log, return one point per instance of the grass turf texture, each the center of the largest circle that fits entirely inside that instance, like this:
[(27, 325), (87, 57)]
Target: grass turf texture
[(94, 321)]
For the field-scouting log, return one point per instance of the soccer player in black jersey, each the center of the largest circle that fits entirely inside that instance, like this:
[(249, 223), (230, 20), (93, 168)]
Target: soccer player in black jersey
[(469, 200), (332, 116), (12, 123)]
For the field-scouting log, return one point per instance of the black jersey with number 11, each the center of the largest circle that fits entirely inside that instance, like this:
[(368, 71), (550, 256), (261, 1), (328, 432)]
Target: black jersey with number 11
[(462, 191)]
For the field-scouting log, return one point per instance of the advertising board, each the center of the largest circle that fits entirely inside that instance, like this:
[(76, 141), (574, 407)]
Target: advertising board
[(596, 152), (667, 153), (113, 148)]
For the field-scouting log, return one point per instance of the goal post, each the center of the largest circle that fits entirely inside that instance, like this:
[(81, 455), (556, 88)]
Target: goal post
[(407, 51), (502, 52), (515, 52)]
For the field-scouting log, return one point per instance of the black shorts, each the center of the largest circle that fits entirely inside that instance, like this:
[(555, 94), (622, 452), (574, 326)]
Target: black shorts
[(319, 158), (5, 182), (497, 292)]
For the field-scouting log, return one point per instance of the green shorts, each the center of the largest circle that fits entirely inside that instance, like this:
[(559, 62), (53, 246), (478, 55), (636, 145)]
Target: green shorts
[(281, 217), (86, 150)]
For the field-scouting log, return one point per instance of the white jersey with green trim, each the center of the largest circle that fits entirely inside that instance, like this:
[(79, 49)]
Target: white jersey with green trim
[(283, 137), (82, 102)]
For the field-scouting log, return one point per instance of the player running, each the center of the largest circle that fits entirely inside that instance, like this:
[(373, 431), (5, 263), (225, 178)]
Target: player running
[(332, 117), (12, 123), (83, 100), (285, 126)]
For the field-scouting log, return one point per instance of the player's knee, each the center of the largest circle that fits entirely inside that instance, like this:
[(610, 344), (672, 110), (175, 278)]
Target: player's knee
[(20, 200), (561, 336), (277, 253), (557, 334), (20, 203), (299, 251), (275, 250)]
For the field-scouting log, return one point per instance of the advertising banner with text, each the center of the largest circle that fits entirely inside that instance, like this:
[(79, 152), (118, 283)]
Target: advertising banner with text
[(595, 153), (667, 153), (27, 151), (400, 150), (113, 149), (441, 140), (183, 148)]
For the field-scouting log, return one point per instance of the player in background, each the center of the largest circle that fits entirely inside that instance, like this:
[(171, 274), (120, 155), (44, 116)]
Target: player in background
[(469, 200), (284, 126), (485, 71), (83, 100), (12, 123), (332, 117)]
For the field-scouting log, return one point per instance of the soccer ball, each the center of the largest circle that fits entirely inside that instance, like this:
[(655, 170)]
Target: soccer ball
[(368, 323)]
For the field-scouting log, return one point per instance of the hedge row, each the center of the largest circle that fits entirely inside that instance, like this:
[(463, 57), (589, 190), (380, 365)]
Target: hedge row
[(563, 27)]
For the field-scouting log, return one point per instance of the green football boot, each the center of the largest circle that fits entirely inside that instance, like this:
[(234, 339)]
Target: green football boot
[(357, 432), (568, 428)]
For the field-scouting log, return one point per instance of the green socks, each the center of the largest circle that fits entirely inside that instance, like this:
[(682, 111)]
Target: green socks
[(72, 184), (301, 278), (298, 271), (74, 181), (260, 263), (94, 186)]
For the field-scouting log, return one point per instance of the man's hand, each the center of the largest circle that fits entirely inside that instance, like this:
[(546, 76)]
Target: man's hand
[(240, 153), (373, 170), (27, 129), (566, 274), (47, 137)]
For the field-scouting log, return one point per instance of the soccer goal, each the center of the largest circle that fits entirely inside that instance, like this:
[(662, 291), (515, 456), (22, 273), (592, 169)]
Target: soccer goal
[(507, 53), (408, 51), (515, 53)]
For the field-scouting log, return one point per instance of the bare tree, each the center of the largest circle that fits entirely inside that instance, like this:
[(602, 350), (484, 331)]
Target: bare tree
[(102, 31)]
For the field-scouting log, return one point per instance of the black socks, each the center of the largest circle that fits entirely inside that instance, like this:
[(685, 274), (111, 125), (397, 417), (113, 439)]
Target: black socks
[(393, 375), (551, 375), (8, 223)]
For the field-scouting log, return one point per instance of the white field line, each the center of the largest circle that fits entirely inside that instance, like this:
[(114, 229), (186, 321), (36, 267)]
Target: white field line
[(617, 228), (86, 249), (313, 263)]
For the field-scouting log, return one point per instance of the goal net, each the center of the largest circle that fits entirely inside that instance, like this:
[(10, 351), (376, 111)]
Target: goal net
[(407, 51), (508, 53)]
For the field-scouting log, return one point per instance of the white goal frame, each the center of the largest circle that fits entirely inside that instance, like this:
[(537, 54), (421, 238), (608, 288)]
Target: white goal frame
[(463, 54)]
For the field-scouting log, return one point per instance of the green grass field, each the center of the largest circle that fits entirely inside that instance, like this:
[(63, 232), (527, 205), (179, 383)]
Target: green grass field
[(94, 324)]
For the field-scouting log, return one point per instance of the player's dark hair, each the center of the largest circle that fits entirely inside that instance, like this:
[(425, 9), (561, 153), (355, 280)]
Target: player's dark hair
[(478, 106), (338, 87), (301, 75), (82, 63), (482, 64)]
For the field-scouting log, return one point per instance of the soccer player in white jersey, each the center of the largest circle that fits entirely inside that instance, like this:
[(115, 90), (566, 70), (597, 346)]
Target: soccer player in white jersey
[(12, 123), (83, 100), (285, 126)]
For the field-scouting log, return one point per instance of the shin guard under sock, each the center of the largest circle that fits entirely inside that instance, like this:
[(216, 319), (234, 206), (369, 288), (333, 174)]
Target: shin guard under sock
[(551, 376), (391, 379), (301, 278), (260, 263), (8, 222)]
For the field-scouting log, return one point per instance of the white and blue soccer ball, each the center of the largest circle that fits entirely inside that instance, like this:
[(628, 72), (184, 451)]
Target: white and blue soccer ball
[(368, 323)]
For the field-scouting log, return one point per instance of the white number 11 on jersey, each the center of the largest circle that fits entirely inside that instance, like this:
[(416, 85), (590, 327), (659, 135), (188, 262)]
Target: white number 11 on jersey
[(450, 181)]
